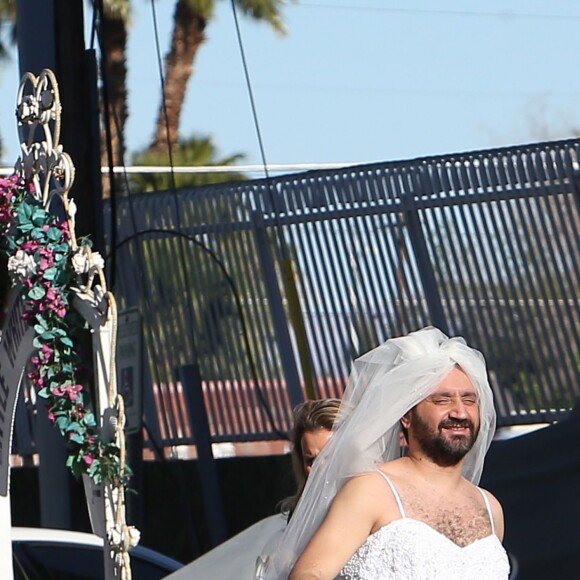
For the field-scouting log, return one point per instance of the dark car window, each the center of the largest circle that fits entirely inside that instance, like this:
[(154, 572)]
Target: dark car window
[(52, 561), (63, 562)]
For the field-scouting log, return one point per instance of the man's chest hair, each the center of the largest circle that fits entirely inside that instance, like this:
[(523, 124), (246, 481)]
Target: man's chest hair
[(462, 529), (462, 520)]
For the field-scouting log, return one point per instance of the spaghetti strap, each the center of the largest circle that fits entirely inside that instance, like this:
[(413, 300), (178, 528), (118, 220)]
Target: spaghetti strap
[(488, 506), (395, 492)]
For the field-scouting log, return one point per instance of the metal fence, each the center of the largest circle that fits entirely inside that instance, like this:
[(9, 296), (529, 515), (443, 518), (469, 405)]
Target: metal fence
[(271, 287)]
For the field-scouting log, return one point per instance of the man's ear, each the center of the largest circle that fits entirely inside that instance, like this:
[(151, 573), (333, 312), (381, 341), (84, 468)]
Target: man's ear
[(406, 420)]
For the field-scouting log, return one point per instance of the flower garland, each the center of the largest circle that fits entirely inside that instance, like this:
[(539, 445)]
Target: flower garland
[(41, 258)]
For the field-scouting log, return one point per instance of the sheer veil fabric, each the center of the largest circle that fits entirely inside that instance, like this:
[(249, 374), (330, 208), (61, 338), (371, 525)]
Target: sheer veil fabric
[(383, 385)]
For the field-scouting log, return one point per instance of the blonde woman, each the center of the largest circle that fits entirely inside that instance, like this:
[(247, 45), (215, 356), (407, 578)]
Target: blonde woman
[(313, 421)]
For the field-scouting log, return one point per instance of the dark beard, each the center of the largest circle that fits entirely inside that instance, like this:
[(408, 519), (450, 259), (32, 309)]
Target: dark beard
[(444, 451)]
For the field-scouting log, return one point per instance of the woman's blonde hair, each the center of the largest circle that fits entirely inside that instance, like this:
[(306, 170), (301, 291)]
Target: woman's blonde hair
[(308, 416)]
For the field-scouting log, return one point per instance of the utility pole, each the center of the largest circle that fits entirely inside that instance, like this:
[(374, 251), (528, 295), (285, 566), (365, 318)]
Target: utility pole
[(50, 35)]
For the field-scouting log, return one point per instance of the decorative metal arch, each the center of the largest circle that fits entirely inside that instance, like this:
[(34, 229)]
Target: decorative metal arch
[(39, 190)]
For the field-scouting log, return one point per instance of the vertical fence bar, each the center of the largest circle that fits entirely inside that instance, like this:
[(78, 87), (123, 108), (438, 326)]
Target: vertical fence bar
[(426, 273), (208, 472), (277, 308)]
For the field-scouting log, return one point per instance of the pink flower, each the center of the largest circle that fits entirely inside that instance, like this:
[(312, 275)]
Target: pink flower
[(71, 391), (88, 459), (46, 263), (30, 246), (64, 228), (46, 353)]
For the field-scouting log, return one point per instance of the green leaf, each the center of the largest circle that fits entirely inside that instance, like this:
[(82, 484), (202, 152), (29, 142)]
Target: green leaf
[(67, 368), (62, 423), (77, 438), (54, 234), (40, 320), (38, 234), (36, 292), (89, 420), (95, 471), (24, 213), (50, 273), (39, 216)]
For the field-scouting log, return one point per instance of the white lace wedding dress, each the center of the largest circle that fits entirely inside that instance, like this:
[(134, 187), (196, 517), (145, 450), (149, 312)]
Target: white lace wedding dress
[(409, 549)]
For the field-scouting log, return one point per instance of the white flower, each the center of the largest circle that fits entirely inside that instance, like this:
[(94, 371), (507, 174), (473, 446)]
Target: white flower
[(100, 298), (21, 265), (134, 536), (80, 262), (72, 208), (97, 262), (123, 537)]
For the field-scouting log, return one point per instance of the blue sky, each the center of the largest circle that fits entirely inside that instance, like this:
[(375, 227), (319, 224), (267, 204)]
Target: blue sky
[(363, 80)]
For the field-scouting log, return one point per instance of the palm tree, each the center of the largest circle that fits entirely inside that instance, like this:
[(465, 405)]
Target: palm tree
[(195, 151), (7, 22), (190, 21), (114, 25)]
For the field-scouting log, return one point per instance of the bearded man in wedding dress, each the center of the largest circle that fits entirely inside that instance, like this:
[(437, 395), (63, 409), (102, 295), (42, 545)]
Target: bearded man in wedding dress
[(369, 514)]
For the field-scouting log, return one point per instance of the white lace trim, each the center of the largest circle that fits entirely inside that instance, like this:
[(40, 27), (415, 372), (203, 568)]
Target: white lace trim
[(409, 549)]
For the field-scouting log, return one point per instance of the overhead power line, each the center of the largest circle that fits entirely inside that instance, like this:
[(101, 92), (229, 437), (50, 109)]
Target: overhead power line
[(506, 14)]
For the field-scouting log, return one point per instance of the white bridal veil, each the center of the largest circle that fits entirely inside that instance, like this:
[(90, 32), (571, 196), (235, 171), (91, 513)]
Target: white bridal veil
[(383, 385)]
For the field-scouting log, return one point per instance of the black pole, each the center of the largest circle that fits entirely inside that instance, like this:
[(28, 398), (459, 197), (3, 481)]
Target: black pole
[(210, 482), (50, 35)]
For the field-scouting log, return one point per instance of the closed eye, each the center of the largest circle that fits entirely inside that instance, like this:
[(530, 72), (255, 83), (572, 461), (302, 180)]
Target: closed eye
[(442, 400)]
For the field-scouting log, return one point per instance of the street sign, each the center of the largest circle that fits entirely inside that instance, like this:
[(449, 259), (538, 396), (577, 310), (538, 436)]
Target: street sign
[(129, 360)]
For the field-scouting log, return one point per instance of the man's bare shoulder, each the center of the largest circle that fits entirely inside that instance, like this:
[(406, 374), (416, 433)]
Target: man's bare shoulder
[(495, 503), (497, 511), (369, 489), (370, 482), (371, 493)]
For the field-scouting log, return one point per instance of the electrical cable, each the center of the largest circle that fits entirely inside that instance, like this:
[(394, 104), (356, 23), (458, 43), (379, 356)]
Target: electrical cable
[(290, 287), (470, 13), (253, 369), (97, 30), (261, 395), (99, 17), (163, 100), (172, 175), (108, 137)]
